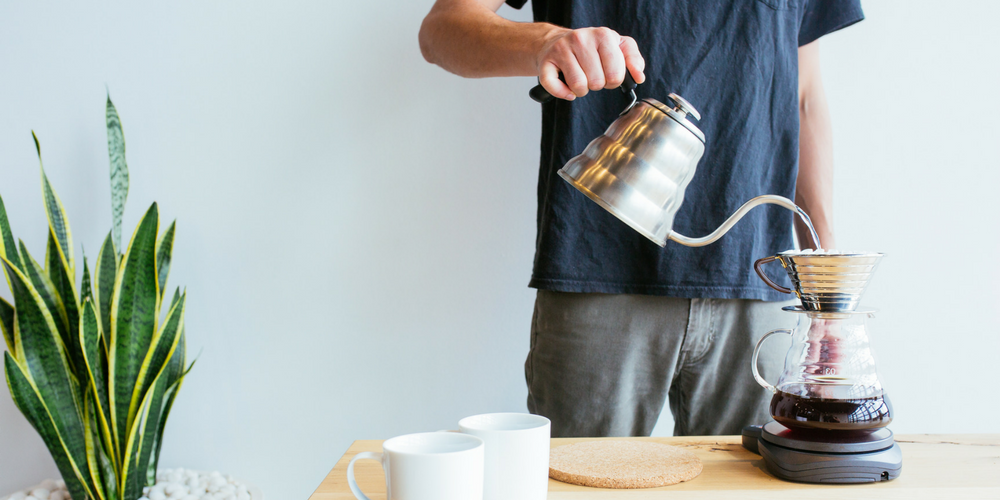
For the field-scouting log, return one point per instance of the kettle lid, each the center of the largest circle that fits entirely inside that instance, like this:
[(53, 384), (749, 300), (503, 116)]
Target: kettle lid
[(679, 112)]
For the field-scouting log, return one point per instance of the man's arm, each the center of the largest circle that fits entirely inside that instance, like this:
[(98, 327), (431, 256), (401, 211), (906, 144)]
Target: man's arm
[(814, 187), (468, 38)]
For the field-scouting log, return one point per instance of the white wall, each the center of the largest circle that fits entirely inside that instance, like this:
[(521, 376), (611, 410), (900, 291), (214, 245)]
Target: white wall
[(356, 226)]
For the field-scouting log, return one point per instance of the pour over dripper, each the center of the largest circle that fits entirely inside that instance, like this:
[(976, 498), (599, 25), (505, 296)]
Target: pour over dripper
[(824, 280)]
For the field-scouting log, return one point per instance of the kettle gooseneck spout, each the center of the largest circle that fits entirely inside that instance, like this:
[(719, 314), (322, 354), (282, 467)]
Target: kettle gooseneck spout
[(733, 219)]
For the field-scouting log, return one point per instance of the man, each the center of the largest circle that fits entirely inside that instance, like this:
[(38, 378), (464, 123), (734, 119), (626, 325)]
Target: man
[(619, 322)]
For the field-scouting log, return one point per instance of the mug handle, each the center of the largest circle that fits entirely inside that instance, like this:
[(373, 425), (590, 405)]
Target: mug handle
[(756, 350), (760, 272), (350, 472)]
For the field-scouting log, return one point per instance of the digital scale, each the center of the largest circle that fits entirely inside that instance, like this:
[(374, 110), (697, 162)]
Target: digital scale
[(844, 457)]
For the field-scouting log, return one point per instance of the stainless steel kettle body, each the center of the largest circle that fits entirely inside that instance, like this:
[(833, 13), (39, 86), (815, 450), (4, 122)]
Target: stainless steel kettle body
[(639, 168)]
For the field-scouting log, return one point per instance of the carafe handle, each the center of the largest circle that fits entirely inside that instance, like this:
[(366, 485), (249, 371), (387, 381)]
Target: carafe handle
[(756, 351), (760, 272)]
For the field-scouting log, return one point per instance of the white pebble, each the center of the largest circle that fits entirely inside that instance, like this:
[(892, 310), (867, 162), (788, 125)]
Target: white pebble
[(174, 488), (227, 489), (17, 496), (143, 498), (31, 497), (157, 494), (217, 483), (243, 495), (58, 495), (49, 484), (231, 496), (40, 493)]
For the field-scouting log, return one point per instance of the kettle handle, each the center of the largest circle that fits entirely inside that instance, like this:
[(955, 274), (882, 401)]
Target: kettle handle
[(540, 95), (756, 350), (760, 272)]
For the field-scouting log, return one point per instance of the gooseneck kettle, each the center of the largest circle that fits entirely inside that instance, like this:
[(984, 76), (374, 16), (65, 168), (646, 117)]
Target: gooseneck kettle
[(639, 168)]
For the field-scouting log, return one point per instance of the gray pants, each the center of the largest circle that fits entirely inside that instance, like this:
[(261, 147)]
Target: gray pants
[(603, 365)]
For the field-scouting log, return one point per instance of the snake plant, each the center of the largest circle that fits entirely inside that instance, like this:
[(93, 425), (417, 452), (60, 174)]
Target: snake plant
[(95, 368)]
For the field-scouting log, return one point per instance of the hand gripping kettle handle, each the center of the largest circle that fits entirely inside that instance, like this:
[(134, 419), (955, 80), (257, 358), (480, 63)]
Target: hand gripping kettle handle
[(540, 95), (757, 266), (756, 350)]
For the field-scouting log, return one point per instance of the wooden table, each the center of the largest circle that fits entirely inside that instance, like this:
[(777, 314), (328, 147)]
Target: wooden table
[(934, 466)]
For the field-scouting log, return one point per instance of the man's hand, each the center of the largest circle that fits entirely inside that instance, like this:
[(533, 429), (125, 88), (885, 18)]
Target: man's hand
[(589, 59), (468, 38)]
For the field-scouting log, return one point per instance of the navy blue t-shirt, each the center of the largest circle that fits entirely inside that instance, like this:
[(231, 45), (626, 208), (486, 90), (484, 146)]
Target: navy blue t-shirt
[(736, 61)]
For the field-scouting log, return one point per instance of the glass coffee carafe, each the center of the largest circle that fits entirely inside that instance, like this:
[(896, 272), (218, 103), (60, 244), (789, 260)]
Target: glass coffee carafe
[(829, 379)]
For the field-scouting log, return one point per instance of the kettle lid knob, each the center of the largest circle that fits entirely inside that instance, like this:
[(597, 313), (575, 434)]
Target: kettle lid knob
[(682, 106)]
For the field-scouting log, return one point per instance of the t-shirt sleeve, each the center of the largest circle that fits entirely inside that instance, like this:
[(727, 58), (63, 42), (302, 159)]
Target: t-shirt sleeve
[(517, 4), (822, 17)]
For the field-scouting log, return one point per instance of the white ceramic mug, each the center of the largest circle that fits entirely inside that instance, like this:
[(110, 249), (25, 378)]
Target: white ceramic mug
[(517, 454), (428, 466)]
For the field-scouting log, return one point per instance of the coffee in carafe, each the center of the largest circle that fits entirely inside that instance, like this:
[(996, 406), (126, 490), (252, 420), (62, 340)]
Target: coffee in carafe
[(831, 413)]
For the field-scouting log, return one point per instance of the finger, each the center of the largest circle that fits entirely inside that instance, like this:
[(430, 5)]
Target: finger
[(585, 48), (548, 76), (634, 62), (612, 59), (574, 75)]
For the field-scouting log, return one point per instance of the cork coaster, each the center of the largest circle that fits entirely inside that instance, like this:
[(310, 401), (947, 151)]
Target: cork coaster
[(622, 464)]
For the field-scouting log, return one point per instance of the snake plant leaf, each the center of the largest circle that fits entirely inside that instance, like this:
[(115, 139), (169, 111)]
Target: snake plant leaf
[(164, 250), (89, 427), (163, 345), (109, 474), (90, 339), (7, 248), (7, 324), (133, 324), (30, 405), (105, 270), (151, 415), (43, 356), (62, 280), (58, 223), (47, 290), (86, 290), (176, 374), (177, 297), (119, 171), (131, 480)]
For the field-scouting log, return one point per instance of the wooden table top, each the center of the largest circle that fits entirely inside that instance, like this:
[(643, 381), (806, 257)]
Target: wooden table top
[(939, 466)]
